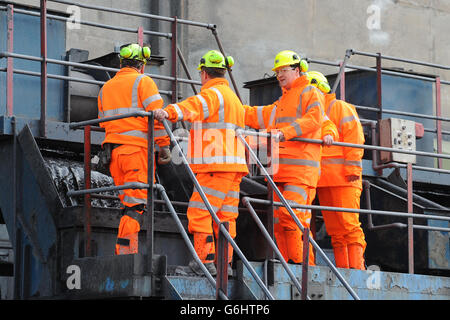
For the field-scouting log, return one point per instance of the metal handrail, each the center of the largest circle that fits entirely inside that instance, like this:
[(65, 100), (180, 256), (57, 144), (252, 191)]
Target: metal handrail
[(423, 63), (185, 237), (161, 189), (352, 145), (89, 66), (294, 217), (93, 24), (213, 214), (383, 71), (246, 202), (139, 185)]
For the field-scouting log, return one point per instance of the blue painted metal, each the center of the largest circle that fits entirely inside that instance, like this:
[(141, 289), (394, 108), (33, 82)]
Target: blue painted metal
[(27, 88), (35, 220), (438, 245), (368, 284)]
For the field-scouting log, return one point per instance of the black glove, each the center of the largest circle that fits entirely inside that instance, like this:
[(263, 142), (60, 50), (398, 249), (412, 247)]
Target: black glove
[(164, 155)]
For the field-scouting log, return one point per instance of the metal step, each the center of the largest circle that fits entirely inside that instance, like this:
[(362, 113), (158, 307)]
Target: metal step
[(182, 284)]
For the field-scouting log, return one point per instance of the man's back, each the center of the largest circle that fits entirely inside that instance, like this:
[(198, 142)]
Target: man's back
[(128, 91)]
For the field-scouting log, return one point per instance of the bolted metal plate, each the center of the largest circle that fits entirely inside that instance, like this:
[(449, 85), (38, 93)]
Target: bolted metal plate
[(398, 134)]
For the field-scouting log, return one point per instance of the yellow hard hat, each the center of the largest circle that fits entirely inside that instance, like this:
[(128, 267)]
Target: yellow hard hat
[(318, 80), (215, 59), (133, 51), (287, 58)]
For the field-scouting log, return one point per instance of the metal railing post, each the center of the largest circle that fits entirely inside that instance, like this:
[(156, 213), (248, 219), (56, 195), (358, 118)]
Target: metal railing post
[(174, 60), (339, 77), (410, 221), (150, 200), (140, 36), (305, 264), (43, 67), (9, 63), (87, 196), (230, 73), (438, 122), (222, 262)]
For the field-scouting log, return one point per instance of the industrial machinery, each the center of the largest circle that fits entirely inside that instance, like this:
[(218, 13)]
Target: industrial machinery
[(59, 216)]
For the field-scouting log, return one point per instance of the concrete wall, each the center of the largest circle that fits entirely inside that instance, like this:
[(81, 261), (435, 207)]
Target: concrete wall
[(254, 31)]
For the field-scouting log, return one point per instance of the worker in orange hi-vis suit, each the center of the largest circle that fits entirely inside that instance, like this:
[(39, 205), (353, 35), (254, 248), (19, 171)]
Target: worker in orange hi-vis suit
[(340, 182), (329, 134), (215, 154), (298, 113), (129, 91)]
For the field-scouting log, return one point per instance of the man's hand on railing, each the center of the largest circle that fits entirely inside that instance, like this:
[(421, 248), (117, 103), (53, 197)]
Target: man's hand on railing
[(160, 114), (279, 136), (328, 140)]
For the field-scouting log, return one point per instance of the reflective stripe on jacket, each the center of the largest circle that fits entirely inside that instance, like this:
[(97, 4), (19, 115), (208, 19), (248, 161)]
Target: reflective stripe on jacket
[(298, 113), (338, 162), (129, 91), (215, 113)]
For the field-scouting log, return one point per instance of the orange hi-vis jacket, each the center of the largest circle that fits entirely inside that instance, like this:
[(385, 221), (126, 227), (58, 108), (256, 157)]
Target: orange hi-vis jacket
[(216, 113), (339, 162), (298, 113), (130, 91)]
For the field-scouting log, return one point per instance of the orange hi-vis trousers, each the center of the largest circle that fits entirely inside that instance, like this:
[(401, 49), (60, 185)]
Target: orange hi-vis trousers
[(129, 164), (344, 228), (222, 190), (287, 233)]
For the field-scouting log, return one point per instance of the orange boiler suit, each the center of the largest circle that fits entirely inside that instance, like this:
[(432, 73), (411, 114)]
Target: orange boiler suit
[(334, 190), (129, 91), (216, 157), (298, 113)]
